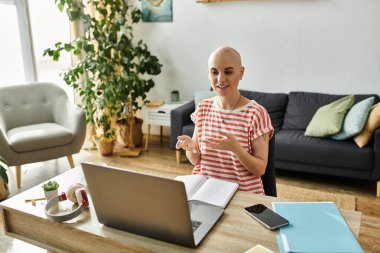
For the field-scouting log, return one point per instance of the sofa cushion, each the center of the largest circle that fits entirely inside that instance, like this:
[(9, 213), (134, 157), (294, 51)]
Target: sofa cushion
[(274, 103), (373, 122), (303, 105), (38, 136), (329, 118), (355, 119), (293, 146)]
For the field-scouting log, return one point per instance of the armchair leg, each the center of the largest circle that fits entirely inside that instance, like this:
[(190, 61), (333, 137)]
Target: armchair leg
[(71, 161), (378, 189), (178, 155), (18, 176)]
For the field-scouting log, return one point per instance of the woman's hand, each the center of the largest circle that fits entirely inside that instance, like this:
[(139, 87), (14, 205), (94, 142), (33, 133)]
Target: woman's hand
[(187, 143), (227, 142), (255, 163)]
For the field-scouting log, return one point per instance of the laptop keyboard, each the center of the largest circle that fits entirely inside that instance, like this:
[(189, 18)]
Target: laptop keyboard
[(195, 224)]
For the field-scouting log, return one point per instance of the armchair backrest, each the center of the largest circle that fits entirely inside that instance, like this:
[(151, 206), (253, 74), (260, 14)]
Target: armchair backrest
[(27, 104)]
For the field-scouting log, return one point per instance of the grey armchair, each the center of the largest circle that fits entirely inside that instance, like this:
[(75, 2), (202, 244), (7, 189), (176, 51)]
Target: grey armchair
[(38, 123)]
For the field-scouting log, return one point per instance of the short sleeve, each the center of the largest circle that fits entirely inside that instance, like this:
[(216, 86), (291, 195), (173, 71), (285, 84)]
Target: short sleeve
[(193, 116), (261, 124)]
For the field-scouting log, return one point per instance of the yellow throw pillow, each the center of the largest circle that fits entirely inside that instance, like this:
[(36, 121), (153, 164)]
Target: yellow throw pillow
[(370, 126)]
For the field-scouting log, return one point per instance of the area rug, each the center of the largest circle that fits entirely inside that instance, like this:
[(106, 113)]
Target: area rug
[(344, 201)]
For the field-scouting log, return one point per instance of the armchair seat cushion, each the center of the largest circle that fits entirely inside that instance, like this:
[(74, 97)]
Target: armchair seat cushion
[(38, 136)]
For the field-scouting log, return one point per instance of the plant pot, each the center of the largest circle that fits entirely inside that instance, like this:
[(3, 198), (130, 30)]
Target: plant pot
[(105, 145), (51, 194), (137, 135)]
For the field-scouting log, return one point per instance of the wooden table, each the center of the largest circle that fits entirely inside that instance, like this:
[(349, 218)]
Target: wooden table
[(234, 232)]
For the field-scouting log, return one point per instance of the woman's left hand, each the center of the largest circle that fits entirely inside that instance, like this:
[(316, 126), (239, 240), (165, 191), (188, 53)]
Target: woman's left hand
[(227, 142)]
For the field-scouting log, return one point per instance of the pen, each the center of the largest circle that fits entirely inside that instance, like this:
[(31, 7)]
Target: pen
[(31, 200)]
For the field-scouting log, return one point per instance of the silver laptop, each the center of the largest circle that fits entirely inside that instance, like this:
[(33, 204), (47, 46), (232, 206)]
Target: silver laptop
[(147, 205)]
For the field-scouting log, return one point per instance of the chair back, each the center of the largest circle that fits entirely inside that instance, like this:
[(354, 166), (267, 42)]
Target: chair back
[(269, 177), (28, 104)]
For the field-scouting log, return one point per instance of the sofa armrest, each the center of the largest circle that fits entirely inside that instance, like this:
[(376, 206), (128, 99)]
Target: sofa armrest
[(376, 154), (178, 118)]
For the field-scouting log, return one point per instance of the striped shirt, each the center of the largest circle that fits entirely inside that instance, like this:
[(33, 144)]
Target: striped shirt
[(246, 123)]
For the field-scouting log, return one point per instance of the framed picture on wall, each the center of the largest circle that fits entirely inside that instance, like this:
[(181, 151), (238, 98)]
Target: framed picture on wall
[(156, 10)]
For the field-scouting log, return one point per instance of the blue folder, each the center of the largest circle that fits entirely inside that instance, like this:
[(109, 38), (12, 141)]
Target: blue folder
[(314, 227)]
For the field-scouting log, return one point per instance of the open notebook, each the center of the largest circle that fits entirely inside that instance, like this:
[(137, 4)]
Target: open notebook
[(211, 191)]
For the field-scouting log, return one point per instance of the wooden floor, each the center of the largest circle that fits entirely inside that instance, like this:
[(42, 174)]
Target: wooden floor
[(161, 158)]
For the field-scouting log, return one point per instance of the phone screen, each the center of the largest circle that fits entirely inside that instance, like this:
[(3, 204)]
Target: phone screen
[(266, 216)]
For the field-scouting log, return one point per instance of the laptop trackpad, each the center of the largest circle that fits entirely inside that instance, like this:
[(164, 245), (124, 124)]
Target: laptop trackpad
[(208, 215)]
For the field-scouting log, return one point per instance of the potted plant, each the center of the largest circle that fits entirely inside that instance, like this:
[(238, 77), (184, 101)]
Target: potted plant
[(50, 189), (4, 191), (114, 71)]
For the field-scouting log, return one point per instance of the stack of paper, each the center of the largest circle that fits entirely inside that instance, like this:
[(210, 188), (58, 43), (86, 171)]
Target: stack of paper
[(314, 227)]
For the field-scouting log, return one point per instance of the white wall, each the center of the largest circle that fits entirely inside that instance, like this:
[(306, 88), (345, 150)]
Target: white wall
[(330, 46)]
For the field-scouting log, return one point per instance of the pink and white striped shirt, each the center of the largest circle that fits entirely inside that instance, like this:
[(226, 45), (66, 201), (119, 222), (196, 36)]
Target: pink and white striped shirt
[(246, 124)]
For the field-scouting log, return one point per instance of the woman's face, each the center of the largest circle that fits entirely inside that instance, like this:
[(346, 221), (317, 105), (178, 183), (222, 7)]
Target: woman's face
[(225, 72)]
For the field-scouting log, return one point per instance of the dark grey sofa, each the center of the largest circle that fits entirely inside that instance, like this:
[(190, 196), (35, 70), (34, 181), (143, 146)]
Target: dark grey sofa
[(290, 115)]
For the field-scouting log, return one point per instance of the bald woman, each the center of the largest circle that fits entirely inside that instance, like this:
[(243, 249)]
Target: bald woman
[(232, 133)]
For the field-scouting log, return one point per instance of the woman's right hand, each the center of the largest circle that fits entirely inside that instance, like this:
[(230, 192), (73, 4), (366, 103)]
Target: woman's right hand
[(187, 143)]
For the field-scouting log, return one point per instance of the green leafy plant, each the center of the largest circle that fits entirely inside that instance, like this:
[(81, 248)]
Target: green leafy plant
[(3, 170), (50, 186), (115, 72)]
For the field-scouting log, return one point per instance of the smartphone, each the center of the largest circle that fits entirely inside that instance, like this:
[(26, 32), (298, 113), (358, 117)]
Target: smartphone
[(266, 216)]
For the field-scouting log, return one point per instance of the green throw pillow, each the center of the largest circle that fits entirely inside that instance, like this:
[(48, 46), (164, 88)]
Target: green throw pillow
[(328, 119), (200, 95), (355, 119)]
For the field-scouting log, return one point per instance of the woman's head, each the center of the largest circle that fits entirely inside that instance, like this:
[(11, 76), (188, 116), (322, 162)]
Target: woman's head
[(225, 70)]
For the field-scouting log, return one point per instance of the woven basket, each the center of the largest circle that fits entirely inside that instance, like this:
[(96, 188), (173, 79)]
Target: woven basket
[(137, 135)]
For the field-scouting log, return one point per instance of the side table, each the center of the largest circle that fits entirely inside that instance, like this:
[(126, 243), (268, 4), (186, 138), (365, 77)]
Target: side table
[(159, 116)]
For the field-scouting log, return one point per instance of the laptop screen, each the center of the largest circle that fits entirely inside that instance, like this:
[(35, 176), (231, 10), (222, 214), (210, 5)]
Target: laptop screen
[(139, 203)]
